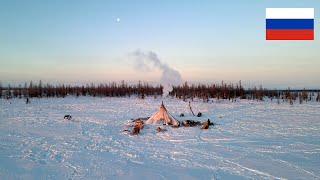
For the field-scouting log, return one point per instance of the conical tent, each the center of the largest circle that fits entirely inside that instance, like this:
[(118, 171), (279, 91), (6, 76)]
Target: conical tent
[(162, 116)]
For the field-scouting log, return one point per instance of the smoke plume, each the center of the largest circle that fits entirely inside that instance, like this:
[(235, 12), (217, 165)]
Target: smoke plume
[(148, 61)]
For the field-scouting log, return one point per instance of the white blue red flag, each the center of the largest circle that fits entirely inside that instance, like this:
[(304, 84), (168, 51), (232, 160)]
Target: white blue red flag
[(290, 23)]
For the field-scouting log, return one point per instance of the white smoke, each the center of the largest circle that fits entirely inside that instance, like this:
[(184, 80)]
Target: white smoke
[(148, 61)]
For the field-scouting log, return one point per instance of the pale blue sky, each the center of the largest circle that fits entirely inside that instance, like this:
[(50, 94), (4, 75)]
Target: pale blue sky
[(204, 40)]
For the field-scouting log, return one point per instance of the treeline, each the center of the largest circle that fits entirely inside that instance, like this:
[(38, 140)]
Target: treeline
[(229, 91), (236, 91), (203, 91), (40, 90)]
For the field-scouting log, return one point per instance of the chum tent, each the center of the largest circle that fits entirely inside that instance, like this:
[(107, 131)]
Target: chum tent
[(163, 116)]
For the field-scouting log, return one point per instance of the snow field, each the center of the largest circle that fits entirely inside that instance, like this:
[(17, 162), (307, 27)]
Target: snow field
[(253, 140)]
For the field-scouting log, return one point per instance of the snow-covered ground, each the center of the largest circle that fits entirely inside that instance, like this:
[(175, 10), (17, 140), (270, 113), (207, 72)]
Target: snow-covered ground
[(254, 140)]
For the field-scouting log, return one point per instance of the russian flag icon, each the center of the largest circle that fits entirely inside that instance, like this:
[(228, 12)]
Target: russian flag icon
[(289, 23)]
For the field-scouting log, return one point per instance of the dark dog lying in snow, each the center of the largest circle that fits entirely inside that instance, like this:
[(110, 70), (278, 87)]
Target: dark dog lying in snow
[(67, 117)]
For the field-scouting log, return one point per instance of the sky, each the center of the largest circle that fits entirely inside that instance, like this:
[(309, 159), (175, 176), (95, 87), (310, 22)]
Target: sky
[(206, 41)]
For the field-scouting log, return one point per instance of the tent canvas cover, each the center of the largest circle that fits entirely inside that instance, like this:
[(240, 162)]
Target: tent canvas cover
[(163, 116)]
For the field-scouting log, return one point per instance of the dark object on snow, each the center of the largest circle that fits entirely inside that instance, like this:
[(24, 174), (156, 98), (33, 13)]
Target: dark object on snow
[(205, 125), (135, 130), (67, 117), (161, 130), (138, 125), (27, 101), (176, 126), (199, 114), (190, 123), (140, 119), (210, 123), (181, 115)]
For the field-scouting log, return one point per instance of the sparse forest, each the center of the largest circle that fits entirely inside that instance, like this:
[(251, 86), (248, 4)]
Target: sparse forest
[(236, 91), (40, 90), (226, 91)]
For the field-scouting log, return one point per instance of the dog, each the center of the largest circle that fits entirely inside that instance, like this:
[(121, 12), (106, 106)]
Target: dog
[(67, 117)]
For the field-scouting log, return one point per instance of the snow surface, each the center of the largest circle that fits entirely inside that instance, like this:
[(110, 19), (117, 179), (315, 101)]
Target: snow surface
[(253, 140)]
